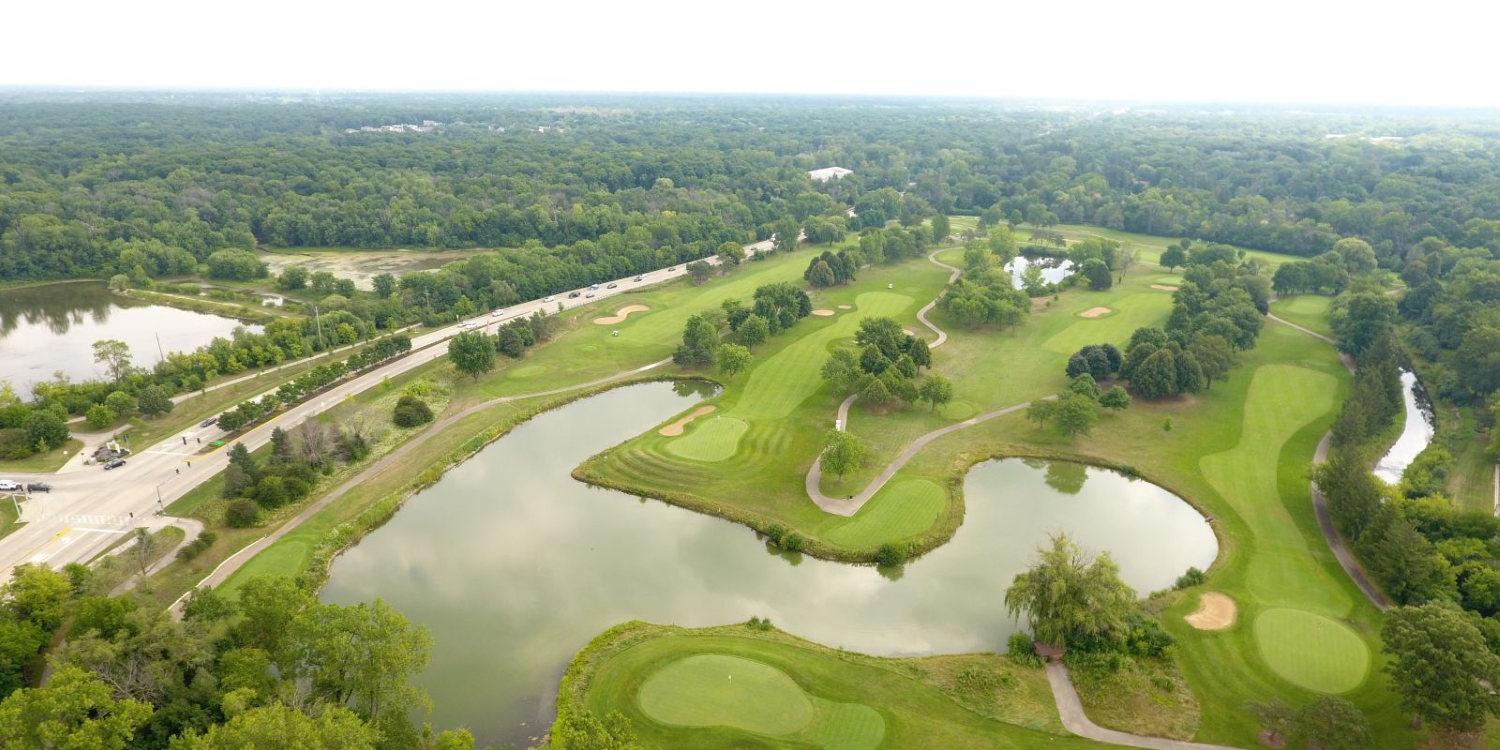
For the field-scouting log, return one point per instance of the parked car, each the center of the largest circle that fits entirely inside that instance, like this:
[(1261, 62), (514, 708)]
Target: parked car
[(8, 486), (38, 487), (497, 313), (115, 464), (547, 298), (574, 295), (211, 421)]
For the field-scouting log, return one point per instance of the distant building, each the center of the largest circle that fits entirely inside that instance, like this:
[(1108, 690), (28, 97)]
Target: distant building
[(828, 173)]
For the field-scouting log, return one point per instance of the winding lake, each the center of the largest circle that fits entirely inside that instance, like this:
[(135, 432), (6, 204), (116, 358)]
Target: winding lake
[(44, 329), (1416, 434), (514, 566)]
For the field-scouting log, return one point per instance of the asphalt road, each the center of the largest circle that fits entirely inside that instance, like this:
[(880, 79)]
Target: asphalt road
[(88, 509)]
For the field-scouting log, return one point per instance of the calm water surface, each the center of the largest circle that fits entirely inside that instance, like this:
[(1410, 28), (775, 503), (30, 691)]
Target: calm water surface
[(514, 566), (1053, 269), (1416, 435), (53, 327)]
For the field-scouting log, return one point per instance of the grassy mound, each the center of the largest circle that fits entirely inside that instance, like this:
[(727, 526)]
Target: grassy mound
[(1312, 651)]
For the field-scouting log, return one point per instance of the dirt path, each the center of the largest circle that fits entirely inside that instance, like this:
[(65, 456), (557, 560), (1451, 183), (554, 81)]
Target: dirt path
[(1070, 710), (1331, 535)]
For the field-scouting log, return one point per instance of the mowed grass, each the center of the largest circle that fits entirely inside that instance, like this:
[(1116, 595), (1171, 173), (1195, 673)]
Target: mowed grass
[(859, 702), (712, 439), (1131, 312), (1307, 310), (905, 509), (1312, 651), (705, 690)]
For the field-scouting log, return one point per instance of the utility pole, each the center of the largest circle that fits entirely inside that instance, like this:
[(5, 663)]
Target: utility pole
[(160, 356), (318, 318)]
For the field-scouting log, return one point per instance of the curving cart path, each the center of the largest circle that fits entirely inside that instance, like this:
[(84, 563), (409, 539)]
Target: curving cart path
[(1320, 502), (848, 506)]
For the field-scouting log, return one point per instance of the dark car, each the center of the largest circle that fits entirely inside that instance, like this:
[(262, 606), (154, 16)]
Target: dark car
[(572, 295), (38, 487), (673, 268), (638, 278), (209, 422), (115, 464), (612, 286)]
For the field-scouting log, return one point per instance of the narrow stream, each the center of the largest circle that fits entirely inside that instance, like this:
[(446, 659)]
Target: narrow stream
[(1415, 436)]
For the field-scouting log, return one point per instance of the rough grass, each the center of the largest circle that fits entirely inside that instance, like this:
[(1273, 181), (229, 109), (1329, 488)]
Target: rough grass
[(45, 462), (954, 702), (1312, 651), (705, 690)]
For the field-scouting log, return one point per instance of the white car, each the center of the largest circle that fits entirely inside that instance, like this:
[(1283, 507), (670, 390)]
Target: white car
[(548, 299), (466, 325), (497, 313), (8, 486)]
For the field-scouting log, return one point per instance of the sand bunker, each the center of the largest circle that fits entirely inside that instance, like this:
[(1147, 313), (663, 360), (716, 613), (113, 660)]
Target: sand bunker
[(824, 313), (1164, 287), (620, 316), (1094, 312), (676, 428), (1215, 612), (846, 307)]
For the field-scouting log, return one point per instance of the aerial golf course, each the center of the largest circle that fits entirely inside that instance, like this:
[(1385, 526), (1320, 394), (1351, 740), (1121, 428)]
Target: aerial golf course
[(1292, 625)]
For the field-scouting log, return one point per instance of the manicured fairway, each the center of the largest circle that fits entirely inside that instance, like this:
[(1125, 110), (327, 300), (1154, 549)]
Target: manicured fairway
[(844, 726), (1307, 310), (1133, 311), (1281, 569), (706, 690), (902, 509), (1312, 651), (712, 439)]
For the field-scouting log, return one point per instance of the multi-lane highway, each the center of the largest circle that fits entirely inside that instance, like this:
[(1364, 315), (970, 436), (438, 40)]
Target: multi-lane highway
[(89, 508)]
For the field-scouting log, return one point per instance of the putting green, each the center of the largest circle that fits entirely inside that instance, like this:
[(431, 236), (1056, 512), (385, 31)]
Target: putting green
[(706, 690), (711, 440), (844, 726), (901, 509), (1311, 650)]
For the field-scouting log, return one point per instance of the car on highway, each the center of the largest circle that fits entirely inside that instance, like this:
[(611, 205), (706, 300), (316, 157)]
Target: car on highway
[(673, 268), (612, 286), (466, 325), (497, 313), (38, 487), (548, 298), (590, 295), (574, 295), (638, 278), (8, 486), (594, 288), (115, 464), (211, 421)]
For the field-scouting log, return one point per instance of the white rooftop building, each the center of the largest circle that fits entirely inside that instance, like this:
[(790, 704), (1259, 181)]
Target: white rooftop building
[(828, 173)]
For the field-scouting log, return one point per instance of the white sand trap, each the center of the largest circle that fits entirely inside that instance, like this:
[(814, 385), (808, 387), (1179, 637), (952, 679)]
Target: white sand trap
[(676, 428), (823, 313), (846, 307), (1164, 287), (620, 316), (1094, 312), (1215, 612)]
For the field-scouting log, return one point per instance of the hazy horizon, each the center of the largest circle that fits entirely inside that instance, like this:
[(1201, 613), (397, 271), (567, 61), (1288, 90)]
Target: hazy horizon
[(1183, 53)]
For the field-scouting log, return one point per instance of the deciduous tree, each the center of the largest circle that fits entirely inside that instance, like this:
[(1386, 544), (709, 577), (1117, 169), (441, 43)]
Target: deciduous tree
[(473, 353), (1070, 595), (1441, 666), (733, 359), (842, 451)]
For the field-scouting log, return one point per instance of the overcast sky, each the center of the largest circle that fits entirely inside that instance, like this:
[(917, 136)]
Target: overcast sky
[(1435, 52)]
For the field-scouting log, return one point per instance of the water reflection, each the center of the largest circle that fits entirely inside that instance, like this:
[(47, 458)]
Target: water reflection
[(1052, 270), (514, 565), (52, 328), (1416, 435)]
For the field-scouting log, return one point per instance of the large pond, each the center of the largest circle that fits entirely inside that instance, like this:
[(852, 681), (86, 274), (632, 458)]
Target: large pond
[(514, 566), (1053, 270), (44, 329), (1416, 435)]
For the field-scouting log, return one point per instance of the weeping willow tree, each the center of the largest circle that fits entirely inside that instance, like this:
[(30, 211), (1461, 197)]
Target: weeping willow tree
[(1070, 595)]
